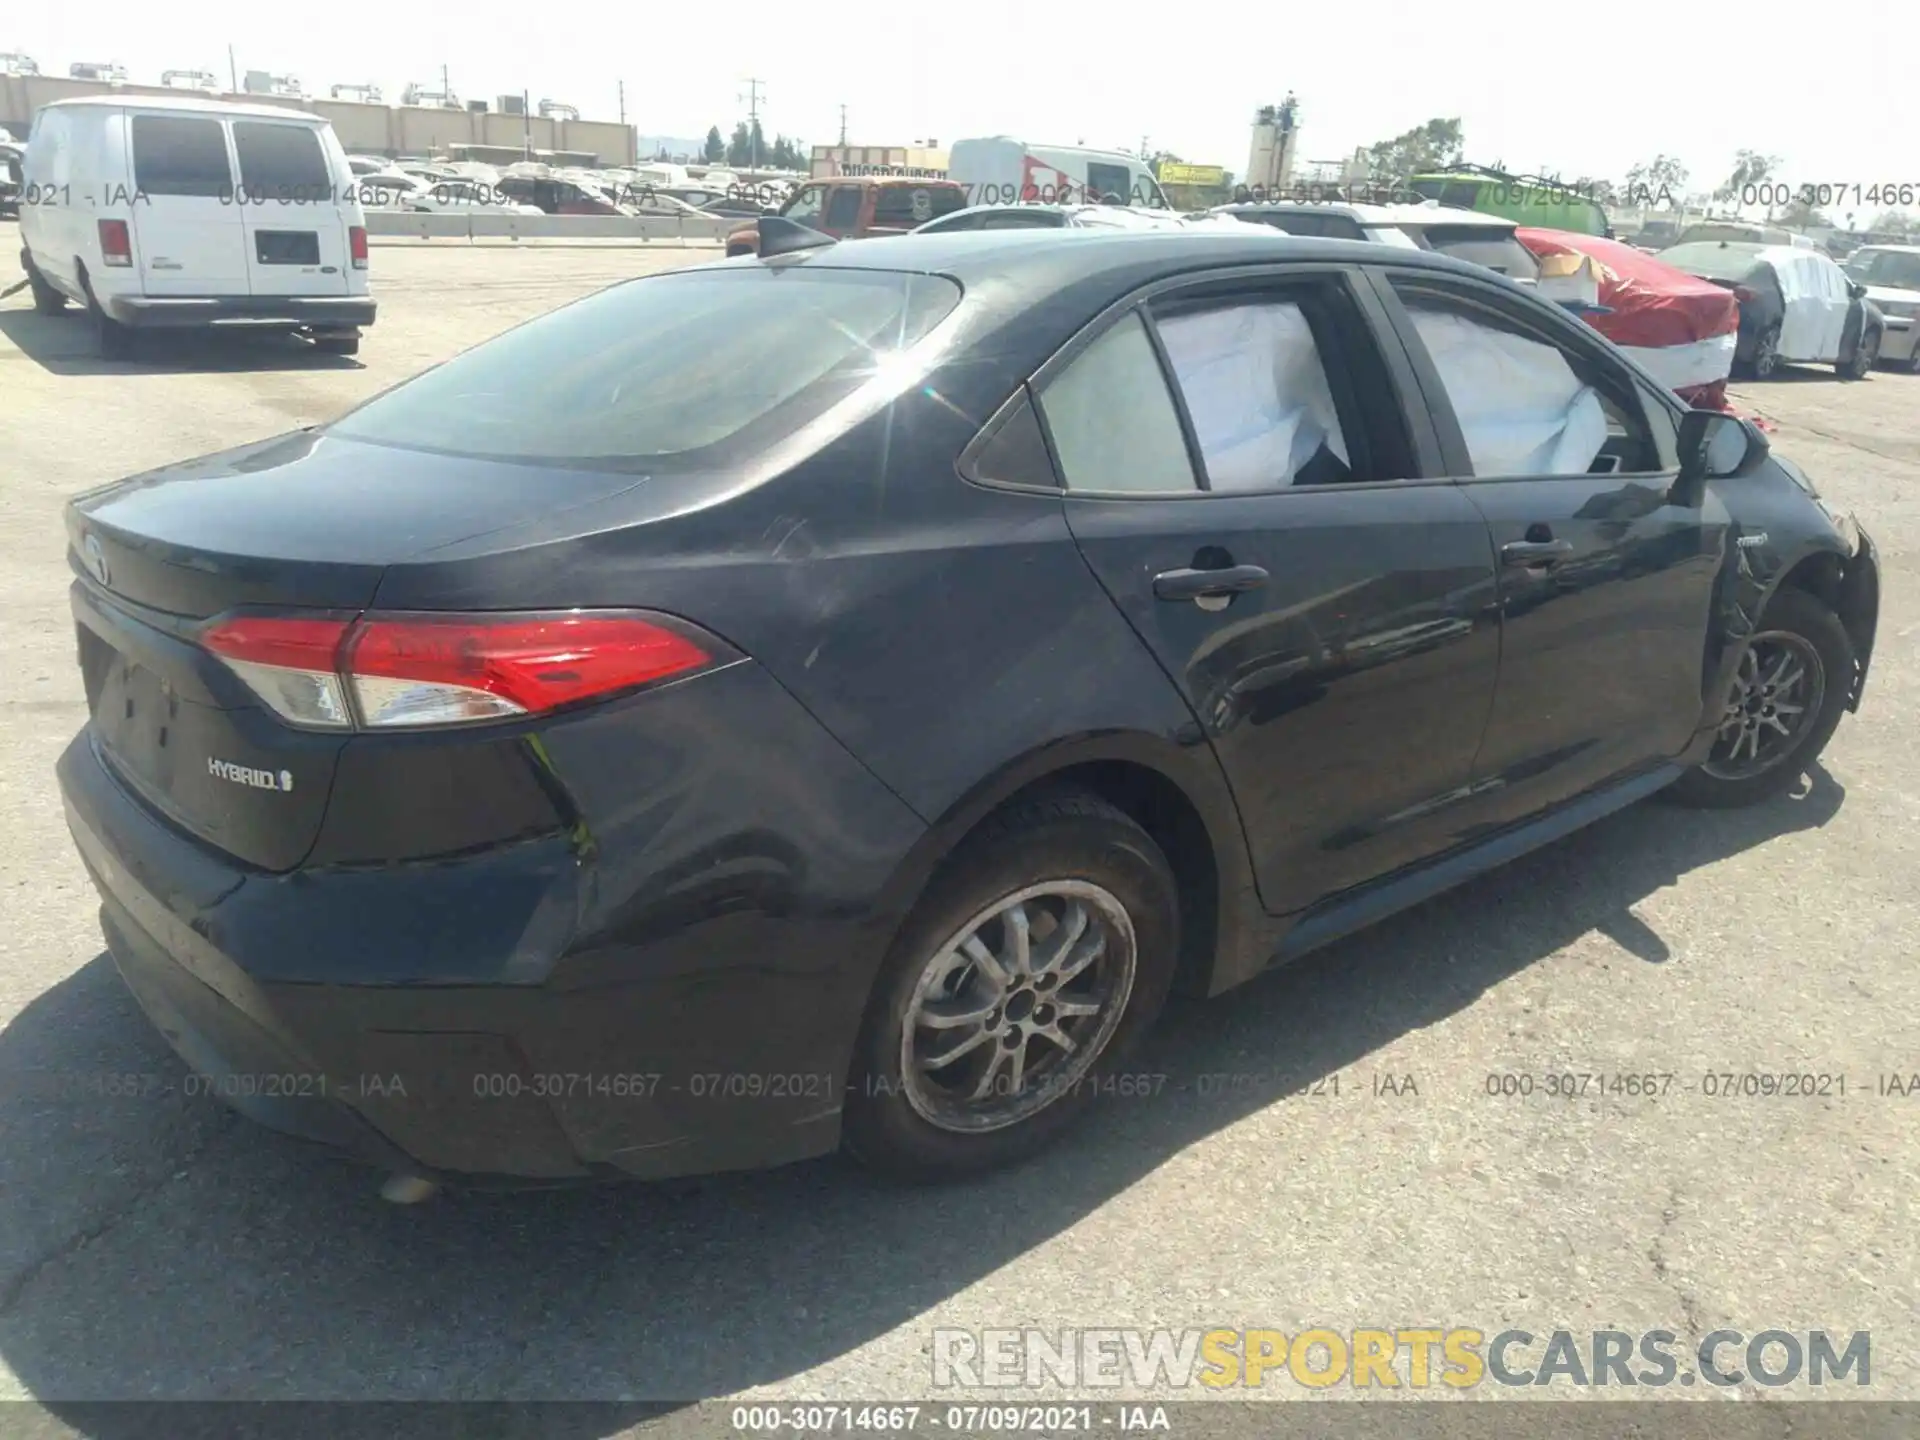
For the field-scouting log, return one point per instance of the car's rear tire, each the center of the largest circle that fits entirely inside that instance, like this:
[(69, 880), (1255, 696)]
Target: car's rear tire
[(347, 344), (1913, 359), (1799, 656), (1766, 354), (1865, 356), (1098, 906), (111, 338), (46, 299)]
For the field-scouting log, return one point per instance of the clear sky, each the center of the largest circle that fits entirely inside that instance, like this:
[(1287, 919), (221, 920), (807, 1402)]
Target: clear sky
[(1581, 89)]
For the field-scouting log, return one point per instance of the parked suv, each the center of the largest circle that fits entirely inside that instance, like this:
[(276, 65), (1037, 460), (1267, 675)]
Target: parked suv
[(853, 207), (182, 213), (1891, 274)]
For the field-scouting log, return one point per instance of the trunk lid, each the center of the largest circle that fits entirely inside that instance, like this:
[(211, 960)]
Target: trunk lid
[(301, 522)]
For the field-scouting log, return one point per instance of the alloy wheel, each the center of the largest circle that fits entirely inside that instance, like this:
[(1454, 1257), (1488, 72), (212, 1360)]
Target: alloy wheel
[(1014, 1009), (1766, 355), (1777, 696)]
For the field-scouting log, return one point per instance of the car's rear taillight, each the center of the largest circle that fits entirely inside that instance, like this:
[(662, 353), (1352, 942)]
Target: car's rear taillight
[(389, 671), (116, 245), (357, 246), (291, 663)]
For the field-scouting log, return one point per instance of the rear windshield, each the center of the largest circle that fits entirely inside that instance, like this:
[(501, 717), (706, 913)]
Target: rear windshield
[(672, 372), (912, 204), (281, 162), (1486, 245), (1330, 226), (1712, 260), (173, 155)]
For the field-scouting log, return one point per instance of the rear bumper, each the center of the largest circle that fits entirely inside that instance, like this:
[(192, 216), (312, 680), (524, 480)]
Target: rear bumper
[(185, 312), (530, 1012)]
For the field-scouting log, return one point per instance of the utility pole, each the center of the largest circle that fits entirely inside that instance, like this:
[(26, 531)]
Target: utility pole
[(446, 85), (1144, 151), (233, 73), (753, 122), (843, 125), (526, 127), (623, 100)]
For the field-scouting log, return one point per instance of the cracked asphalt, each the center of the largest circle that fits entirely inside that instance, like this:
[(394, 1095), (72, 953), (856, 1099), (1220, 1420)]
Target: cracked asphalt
[(153, 1245)]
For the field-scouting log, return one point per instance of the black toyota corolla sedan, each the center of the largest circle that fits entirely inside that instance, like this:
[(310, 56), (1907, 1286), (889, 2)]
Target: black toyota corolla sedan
[(833, 697)]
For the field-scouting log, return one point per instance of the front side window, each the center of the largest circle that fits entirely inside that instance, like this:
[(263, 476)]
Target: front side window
[(174, 155), (806, 205), (1112, 419), (1527, 404), (1258, 395), (677, 372)]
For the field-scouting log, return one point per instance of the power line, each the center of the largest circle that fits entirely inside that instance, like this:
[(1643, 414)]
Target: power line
[(753, 122)]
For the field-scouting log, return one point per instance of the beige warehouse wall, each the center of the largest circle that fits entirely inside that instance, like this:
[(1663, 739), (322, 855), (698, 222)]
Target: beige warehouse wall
[(374, 128)]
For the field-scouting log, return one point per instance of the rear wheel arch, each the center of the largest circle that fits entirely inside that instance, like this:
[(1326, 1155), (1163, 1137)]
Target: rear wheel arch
[(1172, 793)]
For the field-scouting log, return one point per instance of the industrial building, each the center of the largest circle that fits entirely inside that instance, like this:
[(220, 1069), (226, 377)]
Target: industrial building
[(367, 129)]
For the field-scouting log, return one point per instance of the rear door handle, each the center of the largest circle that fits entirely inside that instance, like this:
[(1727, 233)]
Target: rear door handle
[(1202, 584), (1535, 552)]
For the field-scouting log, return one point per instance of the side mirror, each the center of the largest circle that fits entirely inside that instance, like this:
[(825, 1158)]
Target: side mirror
[(1856, 290), (1718, 446)]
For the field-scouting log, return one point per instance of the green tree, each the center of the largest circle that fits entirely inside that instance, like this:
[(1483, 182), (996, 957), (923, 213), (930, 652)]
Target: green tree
[(715, 150), (1799, 215), (1659, 181), (1892, 222), (1750, 167), (1432, 146)]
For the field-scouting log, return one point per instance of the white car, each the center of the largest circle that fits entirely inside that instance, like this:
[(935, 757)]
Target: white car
[(1486, 240), (464, 197), (136, 219)]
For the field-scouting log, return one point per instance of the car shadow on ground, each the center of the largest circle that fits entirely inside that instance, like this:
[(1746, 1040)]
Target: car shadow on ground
[(156, 1246), (64, 344)]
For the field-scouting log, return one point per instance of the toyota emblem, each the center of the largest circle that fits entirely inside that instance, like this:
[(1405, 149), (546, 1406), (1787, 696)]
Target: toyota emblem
[(97, 560)]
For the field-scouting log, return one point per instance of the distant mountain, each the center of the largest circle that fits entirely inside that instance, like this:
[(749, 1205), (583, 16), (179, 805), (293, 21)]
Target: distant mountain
[(678, 147)]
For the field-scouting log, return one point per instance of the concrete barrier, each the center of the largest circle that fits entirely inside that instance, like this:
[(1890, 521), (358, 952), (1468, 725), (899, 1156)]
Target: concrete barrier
[(408, 225)]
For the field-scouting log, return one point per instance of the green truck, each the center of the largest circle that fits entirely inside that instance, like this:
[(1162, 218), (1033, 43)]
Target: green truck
[(1524, 199)]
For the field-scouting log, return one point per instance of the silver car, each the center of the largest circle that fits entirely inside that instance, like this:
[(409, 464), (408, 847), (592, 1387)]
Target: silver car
[(1891, 274)]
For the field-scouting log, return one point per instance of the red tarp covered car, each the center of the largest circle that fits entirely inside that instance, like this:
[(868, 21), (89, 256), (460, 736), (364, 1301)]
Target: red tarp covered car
[(1683, 329)]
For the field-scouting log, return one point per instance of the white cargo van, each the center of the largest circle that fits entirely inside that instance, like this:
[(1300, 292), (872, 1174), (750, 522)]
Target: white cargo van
[(1000, 170), (175, 212)]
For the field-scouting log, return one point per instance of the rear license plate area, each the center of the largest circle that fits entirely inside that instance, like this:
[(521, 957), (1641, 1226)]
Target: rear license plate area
[(286, 247)]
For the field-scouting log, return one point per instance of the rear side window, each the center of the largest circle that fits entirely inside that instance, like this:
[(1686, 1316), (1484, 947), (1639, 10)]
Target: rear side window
[(1257, 391), (676, 372), (1112, 418), (281, 162), (175, 155)]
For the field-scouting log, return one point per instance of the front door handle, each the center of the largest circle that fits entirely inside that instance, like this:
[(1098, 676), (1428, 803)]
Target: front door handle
[(1206, 584), (1535, 552)]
